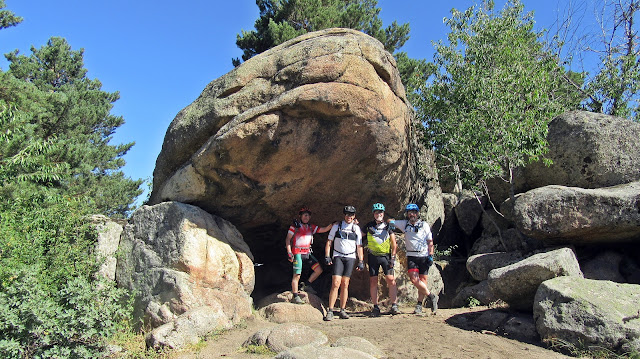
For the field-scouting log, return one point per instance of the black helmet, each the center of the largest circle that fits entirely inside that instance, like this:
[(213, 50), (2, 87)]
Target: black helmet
[(349, 209)]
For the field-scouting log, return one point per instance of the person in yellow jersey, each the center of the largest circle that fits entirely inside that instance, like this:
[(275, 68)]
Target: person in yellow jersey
[(381, 245)]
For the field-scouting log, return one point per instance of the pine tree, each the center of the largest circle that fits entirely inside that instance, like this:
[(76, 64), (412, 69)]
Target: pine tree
[(282, 20), (77, 113), (8, 18)]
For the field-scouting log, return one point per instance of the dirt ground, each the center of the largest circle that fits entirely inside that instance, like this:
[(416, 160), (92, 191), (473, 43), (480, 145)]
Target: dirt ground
[(402, 336)]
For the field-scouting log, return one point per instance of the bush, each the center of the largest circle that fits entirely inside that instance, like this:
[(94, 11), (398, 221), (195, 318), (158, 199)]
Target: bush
[(52, 305), (72, 323)]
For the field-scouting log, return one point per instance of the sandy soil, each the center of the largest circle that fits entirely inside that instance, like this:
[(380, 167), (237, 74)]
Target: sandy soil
[(403, 336)]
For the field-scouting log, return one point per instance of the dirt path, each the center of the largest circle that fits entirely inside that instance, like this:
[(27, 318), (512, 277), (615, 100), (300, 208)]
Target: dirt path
[(403, 336)]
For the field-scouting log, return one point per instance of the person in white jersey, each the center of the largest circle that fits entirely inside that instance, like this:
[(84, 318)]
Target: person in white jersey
[(347, 248), (419, 246)]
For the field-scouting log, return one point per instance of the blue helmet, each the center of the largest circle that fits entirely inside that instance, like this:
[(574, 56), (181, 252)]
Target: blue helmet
[(412, 207), (378, 207)]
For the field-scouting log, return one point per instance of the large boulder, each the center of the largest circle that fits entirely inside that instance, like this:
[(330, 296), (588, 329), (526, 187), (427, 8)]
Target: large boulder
[(189, 328), (588, 150), (311, 351), (509, 240), (290, 312), (480, 292), (109, 232), (517, 283), (480, 265), (176, 257), (285, 336), (469, 210), (558, 214), (604, 266), (586, 312), (321, 120)]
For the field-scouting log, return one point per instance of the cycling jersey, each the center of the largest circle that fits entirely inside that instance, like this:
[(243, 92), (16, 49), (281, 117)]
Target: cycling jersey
[(378, 243), (302, 238), (346, 237), (416, 237)]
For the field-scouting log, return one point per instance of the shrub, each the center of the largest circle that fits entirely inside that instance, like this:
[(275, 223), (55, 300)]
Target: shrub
[(72, 323)]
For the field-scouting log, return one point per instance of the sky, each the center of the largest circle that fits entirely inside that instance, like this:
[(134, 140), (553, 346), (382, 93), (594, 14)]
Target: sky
[(159, 55)]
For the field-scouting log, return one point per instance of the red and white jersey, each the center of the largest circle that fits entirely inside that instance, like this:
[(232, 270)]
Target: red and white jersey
[(302, 237)]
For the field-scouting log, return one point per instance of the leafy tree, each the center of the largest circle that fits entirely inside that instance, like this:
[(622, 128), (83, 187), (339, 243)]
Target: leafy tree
[(490, 93), (615, 89), (282, 20), (77, 113), (612, 86), (8, 18)]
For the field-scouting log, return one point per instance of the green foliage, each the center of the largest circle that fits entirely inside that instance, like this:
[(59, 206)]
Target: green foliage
[(490, 93), (472, 302), (69, 322), (615, 88), (445, 253), (51, 304), (59, 106), (282, 20), (56, 169), (413, 73), (8, 18), (582, 350), (259, 349)]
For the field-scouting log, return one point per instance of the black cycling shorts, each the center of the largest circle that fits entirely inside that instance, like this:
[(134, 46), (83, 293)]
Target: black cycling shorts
[(418, 264), (343, 266), (375, 262)]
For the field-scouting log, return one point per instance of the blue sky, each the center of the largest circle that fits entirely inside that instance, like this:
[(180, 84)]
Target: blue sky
[(161, 54)]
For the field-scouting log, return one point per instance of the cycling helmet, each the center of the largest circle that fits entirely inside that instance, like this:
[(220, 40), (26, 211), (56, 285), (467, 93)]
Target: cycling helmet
[(412, 207), (378, 207), (349, 209), (304, 210)]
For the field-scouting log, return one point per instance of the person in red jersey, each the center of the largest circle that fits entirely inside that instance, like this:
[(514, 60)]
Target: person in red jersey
[(298, 243)]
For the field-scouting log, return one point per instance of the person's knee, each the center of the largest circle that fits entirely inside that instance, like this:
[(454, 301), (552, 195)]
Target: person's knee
[(391, 281), (414, 279), (336, 281)]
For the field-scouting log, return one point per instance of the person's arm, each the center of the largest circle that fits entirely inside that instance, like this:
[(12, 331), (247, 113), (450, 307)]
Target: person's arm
[(394, 245), (430, 245), (327, 252), (327, 246), (400, 225), (359, 250), (326, 229), (287, 242)]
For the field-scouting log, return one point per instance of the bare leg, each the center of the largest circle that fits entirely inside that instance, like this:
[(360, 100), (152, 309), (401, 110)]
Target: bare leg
[(373, 289), (344, 292), (416, 279), (294, 283), (333, 294), (393, 288), (316, 273)]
